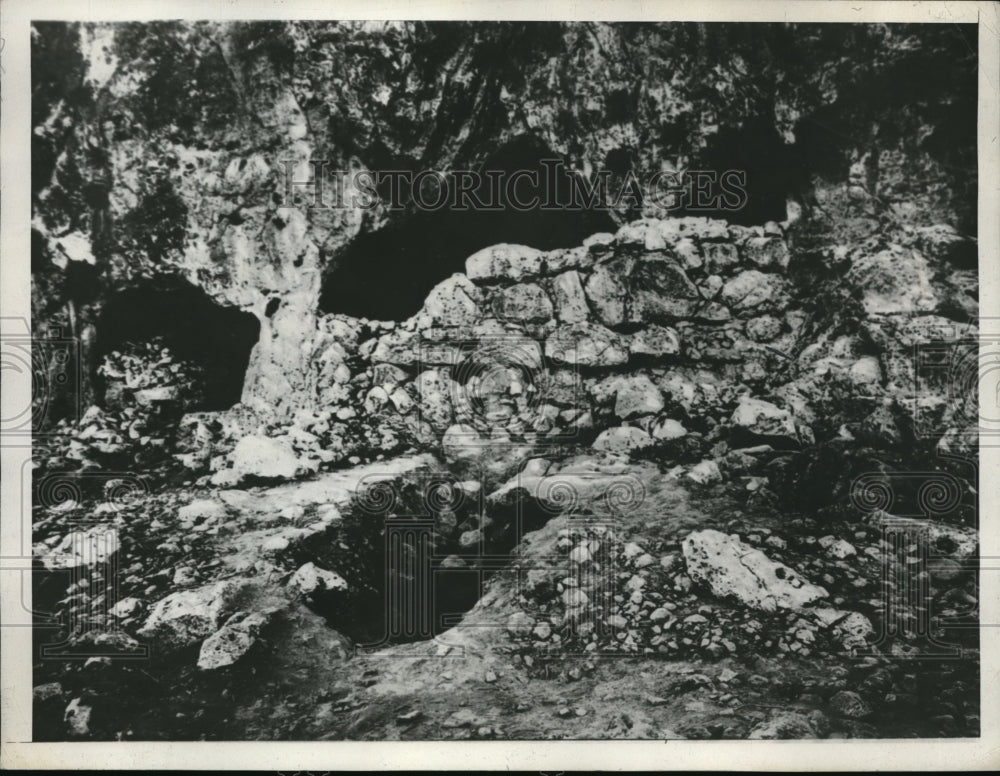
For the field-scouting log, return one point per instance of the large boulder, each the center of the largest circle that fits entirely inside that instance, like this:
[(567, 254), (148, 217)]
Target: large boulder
[(768, 252), (719, 257), (756, 291), (764, 420), (660, 292), (622, 440), (504, 262), (605, 289), (524, 303), (454, 302), (310, 578), (264, 458), (188, 616), (648, 289), (655, 341), (232, 641), (586, 344), (463, 442), (91, 547), (636, 396), (734, 570), (895, 280), (434, 393)]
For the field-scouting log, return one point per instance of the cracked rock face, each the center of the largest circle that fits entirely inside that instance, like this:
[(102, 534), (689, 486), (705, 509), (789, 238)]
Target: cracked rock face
[(203, 195), (732, 569), (645, 440), (188, 616)]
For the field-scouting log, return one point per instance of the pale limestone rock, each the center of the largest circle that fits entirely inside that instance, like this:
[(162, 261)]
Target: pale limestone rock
[(732, 569), (258, 456), (232, 641), (504, 262), (622, 439), (571, 302)]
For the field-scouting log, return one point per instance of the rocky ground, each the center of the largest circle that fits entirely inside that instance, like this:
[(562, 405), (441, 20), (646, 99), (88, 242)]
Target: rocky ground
[(694, 613), (654, 475), (420, 560)]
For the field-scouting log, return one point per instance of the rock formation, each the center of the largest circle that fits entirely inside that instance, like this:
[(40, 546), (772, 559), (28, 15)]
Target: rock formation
[(706, 439)]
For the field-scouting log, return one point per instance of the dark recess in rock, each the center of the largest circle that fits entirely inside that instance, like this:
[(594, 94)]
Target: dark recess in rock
[(195, 328), (387, 275), (775, 171)]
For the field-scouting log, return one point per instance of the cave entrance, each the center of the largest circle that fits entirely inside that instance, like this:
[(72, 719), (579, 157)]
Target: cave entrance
[(207, 346), (775, 170), (386, 275)]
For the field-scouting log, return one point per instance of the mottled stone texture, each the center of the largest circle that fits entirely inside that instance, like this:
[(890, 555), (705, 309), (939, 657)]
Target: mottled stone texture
[(169, 150)]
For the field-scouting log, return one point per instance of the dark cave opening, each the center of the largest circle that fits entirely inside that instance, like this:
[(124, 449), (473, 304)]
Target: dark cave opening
[(775, 171), (386, 275), (214, 339)]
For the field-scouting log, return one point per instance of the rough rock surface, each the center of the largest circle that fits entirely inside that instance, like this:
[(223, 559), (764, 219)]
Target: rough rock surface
[(264, 458), (765, 370), (734, 570), (188, 616), (232, 641)]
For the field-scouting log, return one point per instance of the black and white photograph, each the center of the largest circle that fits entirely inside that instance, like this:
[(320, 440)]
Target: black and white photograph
[(500, 380)]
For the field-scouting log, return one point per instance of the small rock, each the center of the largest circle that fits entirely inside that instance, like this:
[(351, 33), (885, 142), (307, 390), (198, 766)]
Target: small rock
[(849, 704), (232, 641), (309, 578), (617, 622), (705, 473), (542, 631), (185, 575), (44, 692), (764, 420), (520, 623), (841, 550), (126, 607), (668, 429), (274, 544), (202, 509), (77, 716), (636, 396), (622, 439), (580, 554), (784, 725), (292, 512)]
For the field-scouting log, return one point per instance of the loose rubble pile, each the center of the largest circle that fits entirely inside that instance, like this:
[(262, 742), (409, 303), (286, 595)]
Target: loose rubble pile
[(147, 390), (148, 373)]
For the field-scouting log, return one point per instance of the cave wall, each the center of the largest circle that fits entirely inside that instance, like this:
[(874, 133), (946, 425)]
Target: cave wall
[(690, 333), (164, 150)]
